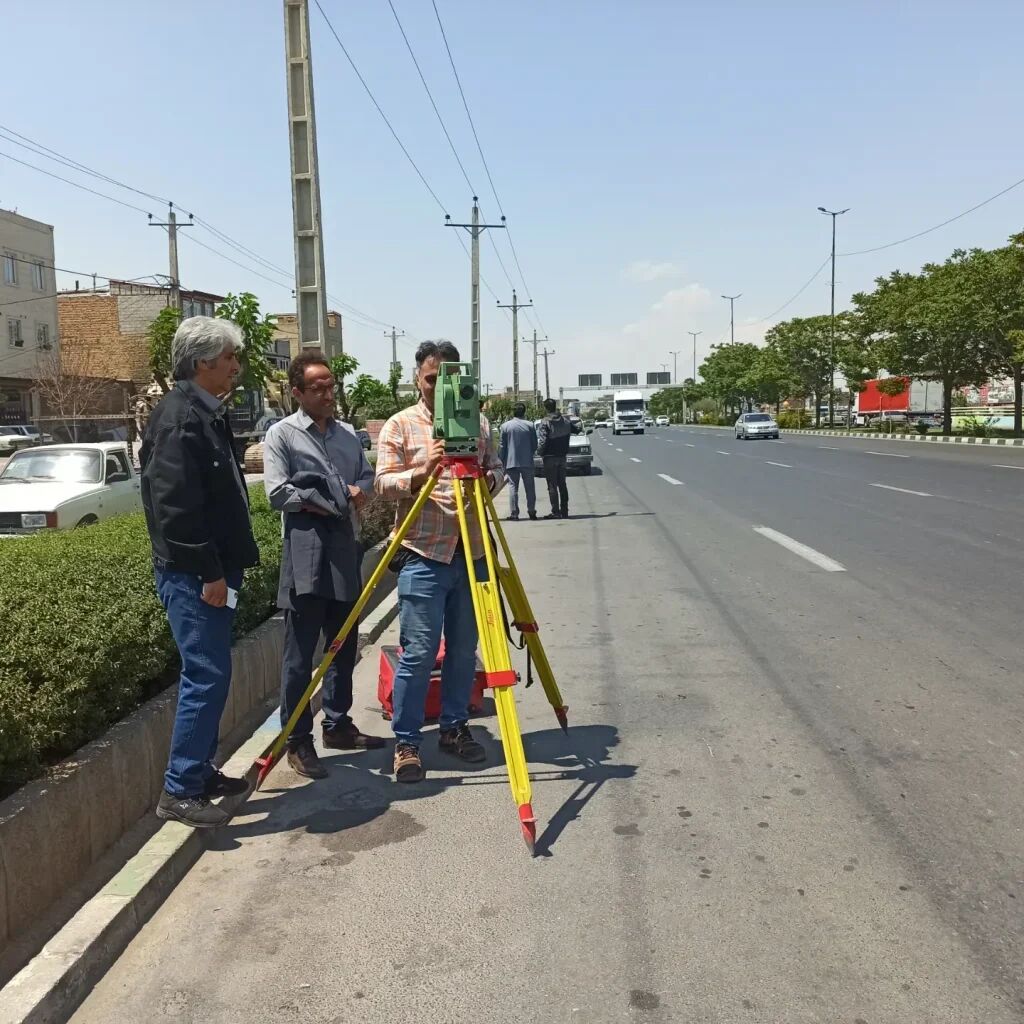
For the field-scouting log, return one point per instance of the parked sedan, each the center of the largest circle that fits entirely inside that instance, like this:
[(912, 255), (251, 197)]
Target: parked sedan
[(580, 457), (756, 424), (61, 486), (13, 440)]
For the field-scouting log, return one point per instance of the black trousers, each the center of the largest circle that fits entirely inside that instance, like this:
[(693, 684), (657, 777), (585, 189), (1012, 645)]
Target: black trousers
[(558, 491), (303, 626)]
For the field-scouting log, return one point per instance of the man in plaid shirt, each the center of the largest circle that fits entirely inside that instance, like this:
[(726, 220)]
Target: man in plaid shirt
[(433, 583)]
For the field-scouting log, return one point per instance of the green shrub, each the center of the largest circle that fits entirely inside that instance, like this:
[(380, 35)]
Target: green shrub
[(84, 637), (921, 426)]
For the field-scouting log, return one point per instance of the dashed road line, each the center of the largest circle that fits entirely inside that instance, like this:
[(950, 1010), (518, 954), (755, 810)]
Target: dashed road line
[(812, 556), (618, 449), (724, 453), (999, 465), (828, 448), (688, 445), (671, 479), (781, 465), (632, 459), (903, 490), (891, 455)]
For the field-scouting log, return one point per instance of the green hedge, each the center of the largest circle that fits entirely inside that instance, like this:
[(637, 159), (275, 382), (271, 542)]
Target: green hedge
[(84, 639)]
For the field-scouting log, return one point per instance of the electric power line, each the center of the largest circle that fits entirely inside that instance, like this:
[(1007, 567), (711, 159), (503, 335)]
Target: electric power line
[(928, 231)]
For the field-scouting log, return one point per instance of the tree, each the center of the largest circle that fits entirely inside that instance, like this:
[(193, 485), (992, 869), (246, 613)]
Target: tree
[(769, 379), (159, 335), (803, 345), (724, 372), (70, 384), (856, 361), (258, 332), (341, 367), (671, 403), (932, 326)]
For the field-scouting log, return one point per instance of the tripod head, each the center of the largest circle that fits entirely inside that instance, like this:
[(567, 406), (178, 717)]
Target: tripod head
[(457, 409)]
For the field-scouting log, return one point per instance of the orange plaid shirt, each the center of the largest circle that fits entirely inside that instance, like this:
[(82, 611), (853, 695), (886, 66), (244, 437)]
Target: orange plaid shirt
[(401, 450)]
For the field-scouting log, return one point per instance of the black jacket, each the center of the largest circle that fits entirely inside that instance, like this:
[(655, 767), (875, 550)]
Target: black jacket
[(196, 511), (553, 436)]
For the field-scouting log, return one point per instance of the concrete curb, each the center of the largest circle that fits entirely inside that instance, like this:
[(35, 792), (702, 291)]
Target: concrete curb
[(50, 987), (1009, 442)]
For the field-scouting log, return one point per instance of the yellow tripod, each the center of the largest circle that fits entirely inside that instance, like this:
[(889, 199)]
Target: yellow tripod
[(471, 492)]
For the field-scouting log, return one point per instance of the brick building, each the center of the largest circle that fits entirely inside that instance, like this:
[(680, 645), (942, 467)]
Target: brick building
[(104, 331), (288, 331)]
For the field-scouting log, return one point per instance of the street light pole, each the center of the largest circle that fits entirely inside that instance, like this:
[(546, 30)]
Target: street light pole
[(732, 316), (675, 365), (693, 334), (832, 332)]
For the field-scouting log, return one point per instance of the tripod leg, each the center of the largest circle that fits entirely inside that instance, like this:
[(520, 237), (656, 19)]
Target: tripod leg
[(271, 754), (497, 661), (524, 620)]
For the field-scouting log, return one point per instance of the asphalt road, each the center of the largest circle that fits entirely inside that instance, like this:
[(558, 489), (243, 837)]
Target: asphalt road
[(791, 793)]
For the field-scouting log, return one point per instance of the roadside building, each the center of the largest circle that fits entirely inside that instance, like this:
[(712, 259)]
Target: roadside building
[(288, 331), (28, 310)]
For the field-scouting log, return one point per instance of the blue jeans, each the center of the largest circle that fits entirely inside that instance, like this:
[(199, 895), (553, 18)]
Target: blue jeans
[(526, 475), (433, 596), (203, 636)]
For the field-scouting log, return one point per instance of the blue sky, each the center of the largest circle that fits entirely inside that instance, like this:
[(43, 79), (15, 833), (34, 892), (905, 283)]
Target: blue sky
[(650, 155)]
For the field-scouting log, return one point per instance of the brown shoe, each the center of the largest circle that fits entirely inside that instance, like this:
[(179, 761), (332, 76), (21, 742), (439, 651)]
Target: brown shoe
[(408, 767), (348, 737), (304, 760)]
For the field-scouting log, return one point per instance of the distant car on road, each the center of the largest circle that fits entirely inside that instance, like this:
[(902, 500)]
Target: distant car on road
[(62, 486), (756, 424), (13, 440), (648, 422), (602, 425), (33, 432), (662, 421)]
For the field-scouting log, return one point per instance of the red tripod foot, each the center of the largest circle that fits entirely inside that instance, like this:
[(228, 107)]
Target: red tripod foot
[(266, 765), (528, 823), (562, 714)]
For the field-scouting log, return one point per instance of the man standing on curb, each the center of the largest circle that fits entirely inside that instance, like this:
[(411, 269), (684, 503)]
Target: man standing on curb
[(197, 514), (553, 445), (433, 578), (518, 447), (315, 473)]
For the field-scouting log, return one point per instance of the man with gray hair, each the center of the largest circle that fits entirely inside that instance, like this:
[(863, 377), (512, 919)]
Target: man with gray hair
[(197, 513)]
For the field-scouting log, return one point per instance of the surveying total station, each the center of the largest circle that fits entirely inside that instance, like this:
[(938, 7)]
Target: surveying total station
[(457, 423)]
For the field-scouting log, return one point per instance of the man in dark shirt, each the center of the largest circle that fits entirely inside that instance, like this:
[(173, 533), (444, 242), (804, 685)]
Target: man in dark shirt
[(197, 513), (553, 447), (315, 472)]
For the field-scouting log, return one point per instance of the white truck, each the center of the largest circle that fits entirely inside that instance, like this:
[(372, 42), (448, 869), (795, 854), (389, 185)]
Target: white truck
[(628, 412)]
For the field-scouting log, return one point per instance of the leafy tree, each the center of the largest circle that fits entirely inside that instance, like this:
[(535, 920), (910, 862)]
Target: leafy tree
[(724, 372), (343, 366), (159, 336), (856, 361), (932, 326), (803, 345), (769, 380), (671, 402), (258, 331)]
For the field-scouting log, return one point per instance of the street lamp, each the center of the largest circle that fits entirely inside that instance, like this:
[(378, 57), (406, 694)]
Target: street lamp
[(674, 353), (732, 318), (832, 342), (693, 334)]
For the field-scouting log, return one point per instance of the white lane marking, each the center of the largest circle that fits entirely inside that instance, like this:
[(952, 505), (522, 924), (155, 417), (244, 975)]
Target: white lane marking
[(828, 448), (671, 479), (998, 465), (632, 459), (903, 490), (772, 441), (724, 453), (688, 445), (781, 465), (812, 556), (891, 455), (618, 449)]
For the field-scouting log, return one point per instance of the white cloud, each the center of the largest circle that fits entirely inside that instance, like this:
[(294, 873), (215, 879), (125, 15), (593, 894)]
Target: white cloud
[(690, 298), (645, 271)]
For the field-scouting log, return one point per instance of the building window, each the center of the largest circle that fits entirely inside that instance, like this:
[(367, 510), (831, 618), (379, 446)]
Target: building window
[(10, 269), (38, 278), (42, 336), (14, 338)]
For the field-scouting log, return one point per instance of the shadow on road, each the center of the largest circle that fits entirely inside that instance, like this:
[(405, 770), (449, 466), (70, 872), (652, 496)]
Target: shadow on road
[(360, 788)]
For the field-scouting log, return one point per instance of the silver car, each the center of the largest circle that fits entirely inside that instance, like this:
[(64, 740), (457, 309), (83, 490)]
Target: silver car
[(756, 424)]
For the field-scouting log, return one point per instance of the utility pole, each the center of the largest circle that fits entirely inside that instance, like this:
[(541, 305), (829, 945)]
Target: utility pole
[(547, 380), (475, 229), (534, 342), (172, 226), (310, 281), (693, 334), (675, 365), (832, 343), (515, 306), (732, 316), (395, 335)]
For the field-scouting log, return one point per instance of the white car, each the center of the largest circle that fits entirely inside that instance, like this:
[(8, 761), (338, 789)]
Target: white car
[(662, 421), (12, 439), (62, 486)]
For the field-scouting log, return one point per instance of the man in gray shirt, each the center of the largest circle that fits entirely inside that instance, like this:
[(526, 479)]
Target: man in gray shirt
[(518, 447), (315, 472)]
